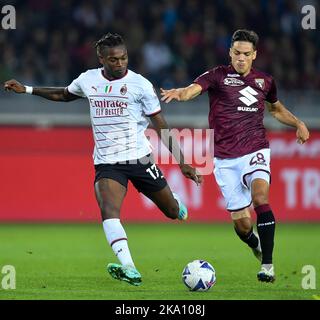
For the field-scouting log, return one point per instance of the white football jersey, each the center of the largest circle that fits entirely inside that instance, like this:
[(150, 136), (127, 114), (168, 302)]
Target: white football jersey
[(118, 110)]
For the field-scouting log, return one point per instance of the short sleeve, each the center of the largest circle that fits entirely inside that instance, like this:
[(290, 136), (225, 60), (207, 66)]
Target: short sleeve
[(207, 80), (75, 87), (272, 93), (150, 101)]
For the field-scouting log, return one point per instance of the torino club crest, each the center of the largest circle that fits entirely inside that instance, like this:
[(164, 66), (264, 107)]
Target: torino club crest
[(260, 83)]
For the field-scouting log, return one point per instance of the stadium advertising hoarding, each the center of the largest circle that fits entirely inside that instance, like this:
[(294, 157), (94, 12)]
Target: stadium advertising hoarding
[(47, 175)]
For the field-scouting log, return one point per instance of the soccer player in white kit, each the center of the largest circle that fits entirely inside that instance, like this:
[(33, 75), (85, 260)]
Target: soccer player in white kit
[(237, 95), (120, 102)]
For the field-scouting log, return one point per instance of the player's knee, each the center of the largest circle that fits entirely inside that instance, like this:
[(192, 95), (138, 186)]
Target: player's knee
[(243, 226), (259, 199)]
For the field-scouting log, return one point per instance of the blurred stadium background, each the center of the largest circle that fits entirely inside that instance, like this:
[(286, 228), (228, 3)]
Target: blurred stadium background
[(46, 166)]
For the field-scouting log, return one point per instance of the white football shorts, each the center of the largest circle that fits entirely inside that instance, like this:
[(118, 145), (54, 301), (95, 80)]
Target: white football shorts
[(234, 177)]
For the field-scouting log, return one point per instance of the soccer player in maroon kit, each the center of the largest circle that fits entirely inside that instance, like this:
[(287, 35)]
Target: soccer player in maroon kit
[(237, 95)]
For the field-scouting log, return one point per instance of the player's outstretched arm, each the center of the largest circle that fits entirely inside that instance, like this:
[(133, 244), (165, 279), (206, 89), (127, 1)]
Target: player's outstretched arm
[(54, 93), (181, 94), (282, 114), (171, 143)]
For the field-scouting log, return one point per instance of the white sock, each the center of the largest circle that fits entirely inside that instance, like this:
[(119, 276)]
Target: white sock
[(117, 238)]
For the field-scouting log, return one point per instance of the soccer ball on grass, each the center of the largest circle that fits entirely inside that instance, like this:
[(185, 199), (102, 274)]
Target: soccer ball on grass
[(199, 275)]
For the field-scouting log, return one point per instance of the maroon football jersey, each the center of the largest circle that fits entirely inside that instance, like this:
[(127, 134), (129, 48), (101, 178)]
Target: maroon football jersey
[(237, 108)]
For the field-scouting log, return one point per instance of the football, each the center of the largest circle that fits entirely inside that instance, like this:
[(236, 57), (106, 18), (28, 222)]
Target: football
[(199, 275)]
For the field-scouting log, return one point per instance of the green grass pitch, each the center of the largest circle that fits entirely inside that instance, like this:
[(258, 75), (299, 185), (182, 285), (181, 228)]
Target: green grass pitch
[(68, 261)]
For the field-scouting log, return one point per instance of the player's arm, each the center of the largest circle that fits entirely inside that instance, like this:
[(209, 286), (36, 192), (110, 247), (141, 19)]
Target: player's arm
[(283, 115), (181, 94), (171, 143), (54, 93)]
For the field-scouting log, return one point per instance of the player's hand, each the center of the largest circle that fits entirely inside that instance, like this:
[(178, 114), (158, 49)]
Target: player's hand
[(191, 173), (302, 133), (168, 95), (14, 85)]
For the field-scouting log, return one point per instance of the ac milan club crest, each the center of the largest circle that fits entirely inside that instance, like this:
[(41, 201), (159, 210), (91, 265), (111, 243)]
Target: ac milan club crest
[(123, 90), (260, 83)]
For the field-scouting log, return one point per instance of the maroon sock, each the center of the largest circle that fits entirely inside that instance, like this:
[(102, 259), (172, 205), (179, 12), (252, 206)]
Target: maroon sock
[(266, 227)]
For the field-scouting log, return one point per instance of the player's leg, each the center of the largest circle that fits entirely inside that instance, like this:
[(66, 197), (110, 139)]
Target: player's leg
[(265, 225), (256, 178), (110, 195), (169, 203), (244, 229), (147, 178), (238, 199)]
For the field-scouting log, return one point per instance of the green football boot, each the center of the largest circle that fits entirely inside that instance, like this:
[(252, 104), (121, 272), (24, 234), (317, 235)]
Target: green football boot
[(124, 273)]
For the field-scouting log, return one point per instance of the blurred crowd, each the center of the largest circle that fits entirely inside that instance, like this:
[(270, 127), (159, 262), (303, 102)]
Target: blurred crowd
[(169, 41)]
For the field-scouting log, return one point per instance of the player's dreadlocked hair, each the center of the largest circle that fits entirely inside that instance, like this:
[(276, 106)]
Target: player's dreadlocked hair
[(109, 40), (245, 35)]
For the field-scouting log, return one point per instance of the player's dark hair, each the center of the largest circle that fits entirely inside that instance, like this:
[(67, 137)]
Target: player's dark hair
[(109, 40), (245, 35)]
